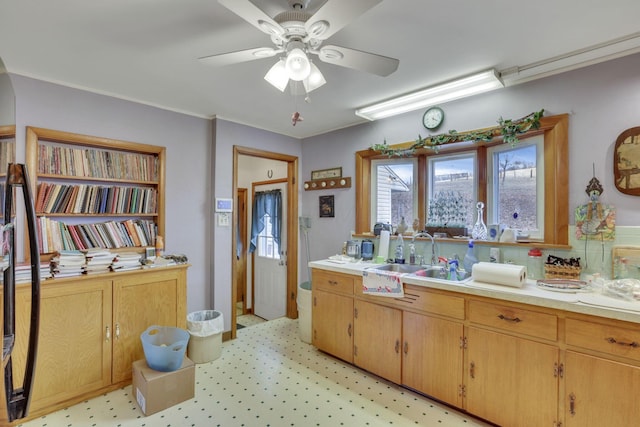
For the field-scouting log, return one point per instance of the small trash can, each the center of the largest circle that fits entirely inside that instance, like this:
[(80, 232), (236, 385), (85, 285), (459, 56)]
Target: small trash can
[(164, 347), (304, 311), (205, 328)]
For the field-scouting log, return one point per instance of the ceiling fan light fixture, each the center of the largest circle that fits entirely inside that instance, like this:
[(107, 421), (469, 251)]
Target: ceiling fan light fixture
[(449, 91), (315, 79), (278, 75), (297, 64)]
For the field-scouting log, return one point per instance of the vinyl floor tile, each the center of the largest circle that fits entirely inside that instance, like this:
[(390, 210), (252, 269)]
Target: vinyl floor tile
[(268, 377)]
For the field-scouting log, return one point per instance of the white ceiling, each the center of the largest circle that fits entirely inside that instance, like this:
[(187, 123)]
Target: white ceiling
[(147, 50)]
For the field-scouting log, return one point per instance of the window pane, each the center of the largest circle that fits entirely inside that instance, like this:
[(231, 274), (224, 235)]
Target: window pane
[(452, 191), (517, 188), (394, 192), (267, 247)]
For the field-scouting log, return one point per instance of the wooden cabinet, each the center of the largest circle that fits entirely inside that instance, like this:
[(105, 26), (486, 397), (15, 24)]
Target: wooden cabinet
[(509, 380), (74, 355), (608, 392), (378, 339), (95, 192), (432, 356), (332, 313), (141, 300), (510, 363), (600, 392), (90, 331)]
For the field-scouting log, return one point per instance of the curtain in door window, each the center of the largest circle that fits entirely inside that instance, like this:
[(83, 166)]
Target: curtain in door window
[(266, 203)]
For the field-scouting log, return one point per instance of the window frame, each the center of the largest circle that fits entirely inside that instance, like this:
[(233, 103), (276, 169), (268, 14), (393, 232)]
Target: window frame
[(374, 182), (556, 178)]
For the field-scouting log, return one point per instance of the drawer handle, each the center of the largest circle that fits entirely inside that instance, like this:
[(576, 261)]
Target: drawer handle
[(472, 370), (349, 329), (333, 282), (108, 334), (406, 347), (632, 344), (397, 346), (509, 319)]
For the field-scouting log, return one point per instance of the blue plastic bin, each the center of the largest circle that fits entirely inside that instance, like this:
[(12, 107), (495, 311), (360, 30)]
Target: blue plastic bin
[(164, 347)]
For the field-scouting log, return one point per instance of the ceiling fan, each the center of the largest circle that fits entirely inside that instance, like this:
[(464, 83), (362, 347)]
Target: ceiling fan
[(297, 33)]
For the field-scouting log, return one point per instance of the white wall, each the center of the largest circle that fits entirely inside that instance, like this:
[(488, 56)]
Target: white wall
[(188, 143), (602, 100)]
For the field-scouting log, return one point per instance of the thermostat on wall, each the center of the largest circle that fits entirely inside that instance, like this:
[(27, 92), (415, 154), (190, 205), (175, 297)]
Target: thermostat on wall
[(224, 205)]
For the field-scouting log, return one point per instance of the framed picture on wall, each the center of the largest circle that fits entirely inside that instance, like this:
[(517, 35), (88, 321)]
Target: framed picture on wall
[(326, 207)]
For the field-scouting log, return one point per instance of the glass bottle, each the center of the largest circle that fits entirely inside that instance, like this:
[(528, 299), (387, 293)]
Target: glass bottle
[(479, 230)]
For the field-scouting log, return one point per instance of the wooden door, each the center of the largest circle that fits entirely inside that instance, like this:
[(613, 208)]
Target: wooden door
[(509, 380), (377, 339), (432, 356), (600, 392), (139, 301), (74, 353), (332, 324)]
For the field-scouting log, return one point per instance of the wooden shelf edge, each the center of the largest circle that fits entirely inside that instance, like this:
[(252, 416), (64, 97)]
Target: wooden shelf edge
[(327, 184)]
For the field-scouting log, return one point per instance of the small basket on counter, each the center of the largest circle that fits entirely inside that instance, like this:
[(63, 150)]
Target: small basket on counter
[(552, 271)]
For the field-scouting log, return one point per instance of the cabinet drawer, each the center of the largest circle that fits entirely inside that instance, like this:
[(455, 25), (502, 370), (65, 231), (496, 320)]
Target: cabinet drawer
[(431, 302), (610, 339), (514, 319), (332, 282)]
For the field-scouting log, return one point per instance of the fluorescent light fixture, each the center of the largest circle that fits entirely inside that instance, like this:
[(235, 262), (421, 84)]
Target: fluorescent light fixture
[(278, 75), (456, 89)]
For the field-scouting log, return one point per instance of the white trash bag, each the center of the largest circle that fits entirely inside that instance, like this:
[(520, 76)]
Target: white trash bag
[(205, 323)]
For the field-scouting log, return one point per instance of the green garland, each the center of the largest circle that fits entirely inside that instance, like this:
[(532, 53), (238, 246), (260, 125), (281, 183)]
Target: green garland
[(508, 129)]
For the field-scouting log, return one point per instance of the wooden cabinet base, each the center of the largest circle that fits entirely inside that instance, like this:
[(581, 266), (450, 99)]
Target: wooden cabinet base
[(90, 330)]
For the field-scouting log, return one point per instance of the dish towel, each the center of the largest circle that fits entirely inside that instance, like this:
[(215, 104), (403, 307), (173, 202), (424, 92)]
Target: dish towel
[(382, 283)]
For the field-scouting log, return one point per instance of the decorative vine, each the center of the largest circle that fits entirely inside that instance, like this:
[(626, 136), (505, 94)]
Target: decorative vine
[(508, 129)]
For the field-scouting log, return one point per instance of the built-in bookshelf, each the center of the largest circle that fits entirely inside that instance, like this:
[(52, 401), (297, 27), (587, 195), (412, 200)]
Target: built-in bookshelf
[(95, 192)]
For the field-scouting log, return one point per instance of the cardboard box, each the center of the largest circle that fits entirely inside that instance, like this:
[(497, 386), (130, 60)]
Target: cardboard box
[(155, 390)]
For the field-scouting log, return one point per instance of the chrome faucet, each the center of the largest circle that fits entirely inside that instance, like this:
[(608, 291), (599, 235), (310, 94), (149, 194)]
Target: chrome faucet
[(434, 259)]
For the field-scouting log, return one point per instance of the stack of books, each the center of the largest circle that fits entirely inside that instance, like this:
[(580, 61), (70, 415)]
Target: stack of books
[(23, 272), (126, 261), (98, 260), (67, 263)]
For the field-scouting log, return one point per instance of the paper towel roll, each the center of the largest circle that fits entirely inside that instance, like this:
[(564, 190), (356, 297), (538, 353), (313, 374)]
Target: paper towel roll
[(500, 274), (383, 248)]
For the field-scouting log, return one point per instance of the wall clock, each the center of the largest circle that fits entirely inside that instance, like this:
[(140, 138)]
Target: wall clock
[(433, 118)]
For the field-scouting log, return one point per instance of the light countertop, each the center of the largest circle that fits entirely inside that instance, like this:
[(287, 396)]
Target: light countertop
[(591, 303)]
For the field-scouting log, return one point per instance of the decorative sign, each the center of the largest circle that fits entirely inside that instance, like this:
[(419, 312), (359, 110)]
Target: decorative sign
[(326, 173), (626, 162)]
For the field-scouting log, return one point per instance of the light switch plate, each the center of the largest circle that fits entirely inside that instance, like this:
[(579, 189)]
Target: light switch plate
[(224, 219)]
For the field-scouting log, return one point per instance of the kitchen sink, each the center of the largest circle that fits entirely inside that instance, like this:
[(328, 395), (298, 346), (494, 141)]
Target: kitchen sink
[(399, 268), (434, 272)]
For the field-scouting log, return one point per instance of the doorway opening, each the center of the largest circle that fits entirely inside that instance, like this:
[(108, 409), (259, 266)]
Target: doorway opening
[(242, 225)]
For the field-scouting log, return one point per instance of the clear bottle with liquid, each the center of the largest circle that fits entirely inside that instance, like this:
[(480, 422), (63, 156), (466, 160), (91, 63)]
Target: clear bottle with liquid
[(534, 264), (469, 258), (399, 256)]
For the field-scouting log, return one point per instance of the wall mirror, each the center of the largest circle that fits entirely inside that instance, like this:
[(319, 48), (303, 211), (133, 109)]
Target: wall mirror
[(626, 162), (540, 159)]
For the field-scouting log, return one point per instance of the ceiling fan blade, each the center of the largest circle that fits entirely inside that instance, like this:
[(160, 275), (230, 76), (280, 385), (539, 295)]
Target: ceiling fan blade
[(239, 56), (253, 15), (358, 60), (334, 15)]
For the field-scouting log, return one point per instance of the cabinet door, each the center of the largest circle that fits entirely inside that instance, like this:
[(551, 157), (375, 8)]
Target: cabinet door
[(510, 381), (74, 352), (139, 301), (377, 339), (332, 324), (600, 392), (432, 356)]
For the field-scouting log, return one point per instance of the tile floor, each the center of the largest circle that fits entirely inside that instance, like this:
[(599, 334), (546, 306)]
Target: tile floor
[(269, 377)]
